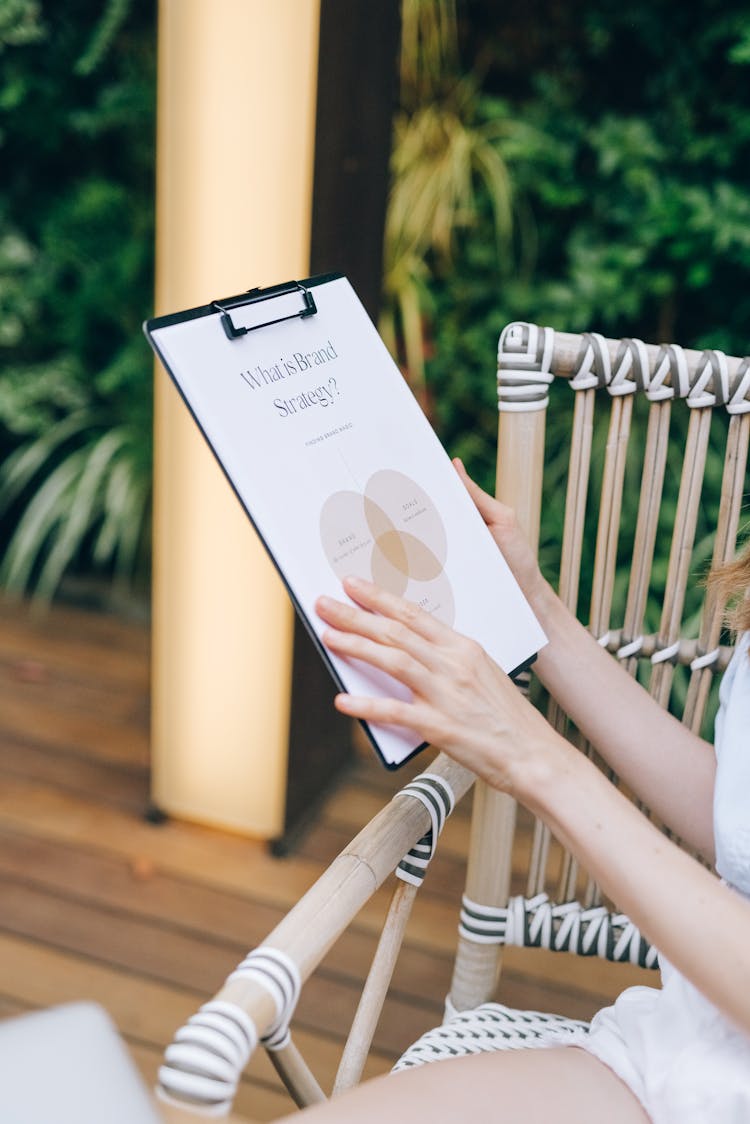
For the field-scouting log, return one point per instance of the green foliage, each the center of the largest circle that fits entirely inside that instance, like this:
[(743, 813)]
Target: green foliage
[(76, 245), (624, 131), (626, 136), (445, 151), (19, 23)]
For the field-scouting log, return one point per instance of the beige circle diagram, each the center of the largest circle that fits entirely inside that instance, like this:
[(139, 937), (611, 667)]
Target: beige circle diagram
[(392, 534)]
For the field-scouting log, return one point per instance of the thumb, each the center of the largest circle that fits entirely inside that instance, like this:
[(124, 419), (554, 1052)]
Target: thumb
[(491, 510)]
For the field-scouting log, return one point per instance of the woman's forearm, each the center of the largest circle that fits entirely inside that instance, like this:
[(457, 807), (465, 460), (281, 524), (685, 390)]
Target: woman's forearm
[(460, 701), (698, 923), (670, 768)]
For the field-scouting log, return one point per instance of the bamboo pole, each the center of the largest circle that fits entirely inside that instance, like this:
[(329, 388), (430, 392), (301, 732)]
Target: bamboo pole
[(732, 491), (579, 472), (296, 1075), (683, 539), (376, 988), (519, 484), (520, 457), (567, 348), (649, 503)]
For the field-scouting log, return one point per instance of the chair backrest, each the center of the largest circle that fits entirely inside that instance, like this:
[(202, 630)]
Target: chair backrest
[(665, 413), (657, 442)]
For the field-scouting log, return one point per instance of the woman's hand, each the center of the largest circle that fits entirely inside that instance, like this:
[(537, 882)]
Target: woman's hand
[(502, 525), (462, 702)]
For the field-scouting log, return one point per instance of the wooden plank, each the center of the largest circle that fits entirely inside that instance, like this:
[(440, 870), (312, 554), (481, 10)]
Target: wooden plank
[(186, 960), (225, 861), (233, 924), (76, 640), (228, 863), (108, 782), (113, 884), (75, 679), (116, 883), (192, 962), (421, 976), (104, 722), (98, 903), (146, 1012)]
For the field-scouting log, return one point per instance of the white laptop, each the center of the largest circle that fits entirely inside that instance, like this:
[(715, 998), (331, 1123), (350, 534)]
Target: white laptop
[(68, 1065)]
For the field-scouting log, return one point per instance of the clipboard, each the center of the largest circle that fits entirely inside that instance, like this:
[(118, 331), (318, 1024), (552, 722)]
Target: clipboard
[(339, 470)]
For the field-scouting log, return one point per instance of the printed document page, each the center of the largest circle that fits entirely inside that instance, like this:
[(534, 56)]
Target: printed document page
[(341, 473)]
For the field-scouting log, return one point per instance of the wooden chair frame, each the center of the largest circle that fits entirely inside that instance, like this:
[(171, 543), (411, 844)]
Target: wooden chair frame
[(203, 1065)]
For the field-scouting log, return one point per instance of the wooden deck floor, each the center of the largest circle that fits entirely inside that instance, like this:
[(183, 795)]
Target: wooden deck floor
[(95, 902)]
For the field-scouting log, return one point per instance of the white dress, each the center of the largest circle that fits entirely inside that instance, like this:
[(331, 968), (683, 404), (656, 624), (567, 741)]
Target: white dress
[(683, 1059)]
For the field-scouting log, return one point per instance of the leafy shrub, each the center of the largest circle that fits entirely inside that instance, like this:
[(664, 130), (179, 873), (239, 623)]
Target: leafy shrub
[(625, 134), (627, 140), (76, 248)]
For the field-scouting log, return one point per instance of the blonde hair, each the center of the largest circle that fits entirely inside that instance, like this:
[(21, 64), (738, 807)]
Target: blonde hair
[(731, 582)]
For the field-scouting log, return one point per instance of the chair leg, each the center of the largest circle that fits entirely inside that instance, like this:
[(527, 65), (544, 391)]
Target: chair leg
[(298, 1079), (378, 980)]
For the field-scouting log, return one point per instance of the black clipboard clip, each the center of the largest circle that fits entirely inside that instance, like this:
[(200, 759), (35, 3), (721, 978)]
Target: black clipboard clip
[(256, 296)]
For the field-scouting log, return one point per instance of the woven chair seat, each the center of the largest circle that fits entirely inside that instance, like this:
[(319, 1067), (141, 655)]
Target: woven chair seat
[(489, 1027)]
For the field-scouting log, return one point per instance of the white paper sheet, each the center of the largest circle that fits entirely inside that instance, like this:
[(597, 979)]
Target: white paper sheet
[(341, 473)]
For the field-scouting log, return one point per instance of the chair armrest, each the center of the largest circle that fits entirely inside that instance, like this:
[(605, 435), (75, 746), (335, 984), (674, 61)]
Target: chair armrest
[(204, 1063)]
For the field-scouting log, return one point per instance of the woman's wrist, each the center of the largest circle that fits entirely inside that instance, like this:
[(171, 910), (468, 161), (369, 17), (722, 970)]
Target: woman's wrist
[(562, 629), (536, 773)]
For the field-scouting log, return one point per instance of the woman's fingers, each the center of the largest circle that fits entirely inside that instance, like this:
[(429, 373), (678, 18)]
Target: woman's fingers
[(460, 700), (394, 661), (395, 637), (381, 711), (385, 619), (366, 634), (392, 607)]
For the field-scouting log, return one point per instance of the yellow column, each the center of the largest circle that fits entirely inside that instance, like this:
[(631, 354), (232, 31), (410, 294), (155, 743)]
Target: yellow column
[(235, 136)]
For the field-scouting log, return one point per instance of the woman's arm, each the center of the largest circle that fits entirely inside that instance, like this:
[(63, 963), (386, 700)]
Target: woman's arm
[(695, 920), (463, 703), (668, 767)]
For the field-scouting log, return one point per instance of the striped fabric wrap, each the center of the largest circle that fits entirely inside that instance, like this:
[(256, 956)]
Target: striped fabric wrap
[(203, 1065), (437, 797), (525, 356), (275, 971), (709, 385), (569, 927), (524, 362), (739, 403), (594, 367)]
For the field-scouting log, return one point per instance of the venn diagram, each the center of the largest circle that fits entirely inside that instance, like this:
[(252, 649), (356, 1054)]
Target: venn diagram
[(390, 533)]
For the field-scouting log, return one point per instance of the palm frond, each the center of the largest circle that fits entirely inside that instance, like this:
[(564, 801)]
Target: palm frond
[(97, 492), (22, 465)]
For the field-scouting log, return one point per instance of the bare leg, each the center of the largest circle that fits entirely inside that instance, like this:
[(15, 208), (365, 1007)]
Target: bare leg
[(171, 1114), (528, 1086)]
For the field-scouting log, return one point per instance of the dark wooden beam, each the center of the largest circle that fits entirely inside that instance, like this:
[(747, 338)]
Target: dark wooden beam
[(357, 92), (357, 96)]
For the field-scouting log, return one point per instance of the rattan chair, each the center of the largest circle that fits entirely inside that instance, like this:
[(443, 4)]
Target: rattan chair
[(691, 399)]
